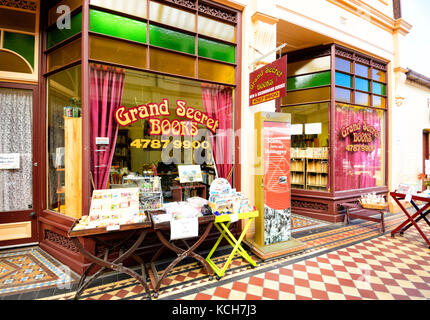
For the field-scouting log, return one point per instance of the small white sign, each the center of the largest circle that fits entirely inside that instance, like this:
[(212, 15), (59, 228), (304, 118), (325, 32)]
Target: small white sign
[(190, 173), (296, 129), (9, 160), (313, 128), (102, 140), (184, 228), (234, 217), (112, 227), (427, 167)]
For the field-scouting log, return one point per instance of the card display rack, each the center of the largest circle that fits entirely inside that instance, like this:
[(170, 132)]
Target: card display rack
[(150, 192)]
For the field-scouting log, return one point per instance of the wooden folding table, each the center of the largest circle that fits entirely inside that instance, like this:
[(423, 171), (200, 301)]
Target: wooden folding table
[(124, 244), (412, 219), (163, 228)]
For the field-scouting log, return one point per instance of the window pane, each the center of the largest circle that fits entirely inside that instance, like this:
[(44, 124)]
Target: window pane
[(217, 50), (169, 62), (16, 135), (64, 142), (132, 7), (214, 71), (309, 152), (360, 147), (56, 35), (343, 95), (216, 29), (166, 38), (378, 88), (117, 26), (362, 84), (378, 75), (306, 96), (308, 66), (362, 98), (308, 81), (343, 65), (17, 20), (10, 61), (20, 43), (343, 80), (379, 102), (52, 13), (361, 70), (117, 51), (64, 55), (171, 16)]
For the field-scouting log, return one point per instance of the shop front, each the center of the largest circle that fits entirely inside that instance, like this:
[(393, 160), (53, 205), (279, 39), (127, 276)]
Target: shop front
[(337, 98), (132, 92)]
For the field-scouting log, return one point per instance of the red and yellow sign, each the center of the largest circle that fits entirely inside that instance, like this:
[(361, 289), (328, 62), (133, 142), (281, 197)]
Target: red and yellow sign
[(152, 112), (361, 134), (268, 82)]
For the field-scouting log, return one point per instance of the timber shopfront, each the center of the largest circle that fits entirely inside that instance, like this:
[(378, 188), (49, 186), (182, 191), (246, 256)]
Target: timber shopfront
[(136, 89), (337, 99)]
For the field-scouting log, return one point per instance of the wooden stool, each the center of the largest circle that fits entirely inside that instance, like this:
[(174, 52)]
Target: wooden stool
[(365, 214)]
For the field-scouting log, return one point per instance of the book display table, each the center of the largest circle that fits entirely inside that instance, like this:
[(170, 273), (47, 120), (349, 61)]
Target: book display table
[(412, 219), (222, 223), (124, 246), (162, 229), (364, 213)]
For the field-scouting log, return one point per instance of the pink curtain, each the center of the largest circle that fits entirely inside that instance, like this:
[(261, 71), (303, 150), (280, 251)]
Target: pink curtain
[(218, 103), (357, 169), (106, 89)]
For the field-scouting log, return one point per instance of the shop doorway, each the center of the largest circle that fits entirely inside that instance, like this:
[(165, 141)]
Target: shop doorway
[(426, 156), (18, 222)]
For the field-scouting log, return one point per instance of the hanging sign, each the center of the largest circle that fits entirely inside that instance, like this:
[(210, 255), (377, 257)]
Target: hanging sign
[(9, 160), (268, 82)]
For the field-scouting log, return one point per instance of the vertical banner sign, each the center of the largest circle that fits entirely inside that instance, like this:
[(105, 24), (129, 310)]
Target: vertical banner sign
[(277, 193), (268, 82)]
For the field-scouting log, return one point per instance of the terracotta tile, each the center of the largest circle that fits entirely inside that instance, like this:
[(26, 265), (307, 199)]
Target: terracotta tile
[(240, 286), (202, 296), (286, 272), (333, 288), (270, 293), (367, 294), (286, 287), (301, 282), (252, 297), (315, 277), (222, 292), (271, 276), (319, 294), (256, 281)]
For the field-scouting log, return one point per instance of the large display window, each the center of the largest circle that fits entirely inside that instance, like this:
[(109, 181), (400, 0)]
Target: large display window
[(145, 124)]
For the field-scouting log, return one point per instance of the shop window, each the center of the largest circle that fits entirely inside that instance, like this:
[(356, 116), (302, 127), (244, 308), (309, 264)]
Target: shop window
[(309, 81), (214, 71), (56, 35), (308, 66), (171, 16), (360, 147), (117, 26), (309, 146), (65, 55), (152, 124), (117, 51), (64, 144), (216, 29), (343, 80), (379, 102), (307, 96), (169, 62), (170, 39), (343, 64), (132, 7), (11, 62), (217, 50), (23, 44)]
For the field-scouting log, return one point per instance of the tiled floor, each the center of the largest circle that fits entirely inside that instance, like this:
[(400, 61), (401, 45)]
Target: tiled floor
[(351, 262)]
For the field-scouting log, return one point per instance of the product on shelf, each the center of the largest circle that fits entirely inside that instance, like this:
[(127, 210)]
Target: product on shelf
[(373, 201), (225, 200), (150, 192)]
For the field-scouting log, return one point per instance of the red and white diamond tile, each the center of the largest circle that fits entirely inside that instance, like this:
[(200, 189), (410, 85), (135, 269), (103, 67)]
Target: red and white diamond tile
[(382, 268)]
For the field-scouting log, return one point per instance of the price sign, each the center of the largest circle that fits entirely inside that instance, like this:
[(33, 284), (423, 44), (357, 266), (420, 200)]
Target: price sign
[(184, 228)]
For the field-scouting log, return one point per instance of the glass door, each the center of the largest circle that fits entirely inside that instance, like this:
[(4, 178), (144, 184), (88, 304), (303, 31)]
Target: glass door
[(17, 212)]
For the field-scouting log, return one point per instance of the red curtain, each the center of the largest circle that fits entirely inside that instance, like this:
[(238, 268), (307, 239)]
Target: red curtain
[(218, 103), (357, 169), (106, 89)]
